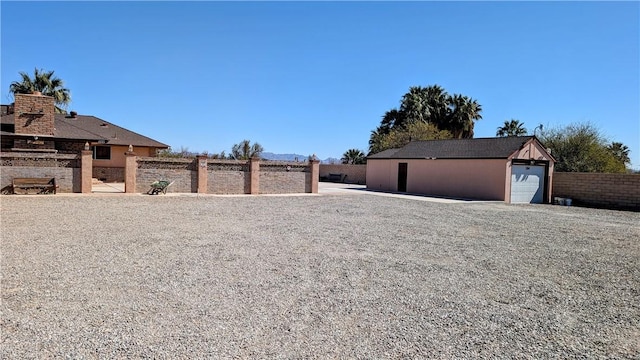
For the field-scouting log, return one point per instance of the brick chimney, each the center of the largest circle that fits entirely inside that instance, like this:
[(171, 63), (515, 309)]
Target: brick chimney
[(34, 114)]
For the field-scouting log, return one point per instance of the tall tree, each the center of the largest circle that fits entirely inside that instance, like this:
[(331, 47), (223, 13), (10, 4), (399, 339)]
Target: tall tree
[(353, 157), (512, 127), (244, 150), (400, 137), (46, 83), (462, 116), (581, 148), (455, 114), (391, 119), (620, 151)]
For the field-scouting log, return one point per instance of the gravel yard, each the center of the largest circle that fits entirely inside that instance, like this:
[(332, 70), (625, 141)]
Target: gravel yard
[(315, 276)]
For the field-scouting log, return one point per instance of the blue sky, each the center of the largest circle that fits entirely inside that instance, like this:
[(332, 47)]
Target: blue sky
[(316, 77)]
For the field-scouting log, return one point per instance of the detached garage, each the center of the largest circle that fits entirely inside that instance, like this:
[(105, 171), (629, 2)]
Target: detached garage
[(513, 169)]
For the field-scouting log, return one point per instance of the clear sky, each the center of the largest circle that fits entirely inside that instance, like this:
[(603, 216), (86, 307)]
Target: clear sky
[(316, 77)]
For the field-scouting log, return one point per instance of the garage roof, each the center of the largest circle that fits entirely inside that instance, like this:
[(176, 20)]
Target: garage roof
[(480, 148)]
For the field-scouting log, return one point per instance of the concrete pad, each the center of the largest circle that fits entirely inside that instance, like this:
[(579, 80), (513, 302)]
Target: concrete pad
[(351, 189), (107, 188)]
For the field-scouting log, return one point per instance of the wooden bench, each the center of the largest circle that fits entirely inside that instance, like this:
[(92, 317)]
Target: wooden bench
[(41, 185)]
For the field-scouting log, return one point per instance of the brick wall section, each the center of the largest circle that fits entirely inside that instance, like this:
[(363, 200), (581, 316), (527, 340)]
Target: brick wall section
[(181, 171), (31, 144), (68, 147), (615, 191), (356, 174), (34, 114), (223, 176), (65, 168), (228, 182), (228, 177), (283, 178), (184, 181)]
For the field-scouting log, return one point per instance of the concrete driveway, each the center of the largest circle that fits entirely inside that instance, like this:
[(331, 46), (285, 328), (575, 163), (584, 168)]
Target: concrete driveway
[(328, 188)]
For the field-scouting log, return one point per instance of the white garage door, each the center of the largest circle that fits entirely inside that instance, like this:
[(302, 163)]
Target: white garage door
[(527, 184)]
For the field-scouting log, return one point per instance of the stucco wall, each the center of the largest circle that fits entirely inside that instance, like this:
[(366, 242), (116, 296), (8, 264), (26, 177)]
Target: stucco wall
[(474, 179), (356, 174), (381, 175), (118, 158), (460, 178), (616, 191)]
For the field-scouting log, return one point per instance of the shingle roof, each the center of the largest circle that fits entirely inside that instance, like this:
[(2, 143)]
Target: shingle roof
[(481, 148), (114, 134), (86, 127)]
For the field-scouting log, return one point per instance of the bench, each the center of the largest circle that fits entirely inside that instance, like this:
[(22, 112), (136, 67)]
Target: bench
[(336, 177), (41, 185)]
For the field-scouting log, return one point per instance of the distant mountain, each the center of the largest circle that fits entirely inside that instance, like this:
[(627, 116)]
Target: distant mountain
[(295, 157), (283, 157)]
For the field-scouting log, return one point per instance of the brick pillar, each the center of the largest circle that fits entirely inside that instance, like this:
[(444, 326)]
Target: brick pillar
[(314, 163), (130, 169), (201, 160), (254, 169), (86, 171)]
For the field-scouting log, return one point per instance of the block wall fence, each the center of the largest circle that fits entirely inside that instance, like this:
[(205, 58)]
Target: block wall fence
[(613, 191), (64, 167), (215, 176), (74, 173), (356, 174)]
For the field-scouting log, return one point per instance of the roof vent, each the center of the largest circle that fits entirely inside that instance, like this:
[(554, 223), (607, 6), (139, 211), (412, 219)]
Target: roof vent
[(73, 114)]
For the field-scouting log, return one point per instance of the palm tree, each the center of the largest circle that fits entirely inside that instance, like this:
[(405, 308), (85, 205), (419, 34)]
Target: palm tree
[(511, 128), (424, 104), (464, 111), (454, 114), (353, 156), (620, 151), (245, 151), (46, 83), (391, 119), (375, 140)]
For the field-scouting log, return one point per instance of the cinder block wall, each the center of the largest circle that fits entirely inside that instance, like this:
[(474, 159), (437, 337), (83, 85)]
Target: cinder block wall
[(180, 171), (64, 167), (223, 176), (228, 177), (356, 174), (615, 191), (283, 178)]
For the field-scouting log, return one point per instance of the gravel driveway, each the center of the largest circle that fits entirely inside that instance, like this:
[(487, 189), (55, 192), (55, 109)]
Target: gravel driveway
[(315, 276)]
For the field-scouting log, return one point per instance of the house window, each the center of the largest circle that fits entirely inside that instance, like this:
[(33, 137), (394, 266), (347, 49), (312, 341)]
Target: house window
[(102, 152)]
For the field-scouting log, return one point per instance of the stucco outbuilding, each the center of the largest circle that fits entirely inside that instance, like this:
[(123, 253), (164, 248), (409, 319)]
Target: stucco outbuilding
[(514, 169)]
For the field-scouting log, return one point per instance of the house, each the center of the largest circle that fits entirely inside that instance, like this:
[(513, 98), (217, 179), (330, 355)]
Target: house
[(514, 169), (31, 125)]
